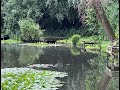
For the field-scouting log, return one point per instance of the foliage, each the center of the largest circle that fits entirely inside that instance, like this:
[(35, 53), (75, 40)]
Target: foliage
[(112, 12), (52, 15), (58, 17), (75, 38), (92, 77), (103, 44), (94, 27), (29, 30), (13, 10), (92, 24), (113, 84), (25, 78)]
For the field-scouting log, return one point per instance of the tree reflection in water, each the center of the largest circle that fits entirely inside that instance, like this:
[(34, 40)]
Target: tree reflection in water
[(75, 51), (28, 55), (17, 56), (110, 81)]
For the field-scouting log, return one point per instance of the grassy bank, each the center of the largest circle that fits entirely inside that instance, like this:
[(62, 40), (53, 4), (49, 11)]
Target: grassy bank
[(10, 41), (103, 44)]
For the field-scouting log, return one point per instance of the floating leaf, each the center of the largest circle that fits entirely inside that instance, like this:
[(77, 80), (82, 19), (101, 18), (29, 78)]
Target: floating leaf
[(30, 79)]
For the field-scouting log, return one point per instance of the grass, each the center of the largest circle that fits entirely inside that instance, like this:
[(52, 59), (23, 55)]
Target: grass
[(10, 41), (69, 41), (104, 44)]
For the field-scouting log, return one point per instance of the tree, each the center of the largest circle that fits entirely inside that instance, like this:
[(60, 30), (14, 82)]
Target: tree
[(14, 10), (54, 16), (96, 4), (29, 30)]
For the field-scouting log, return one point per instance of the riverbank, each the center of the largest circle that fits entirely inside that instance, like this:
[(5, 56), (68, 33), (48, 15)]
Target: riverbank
[(103, 44), (38, 44), (9, 41)]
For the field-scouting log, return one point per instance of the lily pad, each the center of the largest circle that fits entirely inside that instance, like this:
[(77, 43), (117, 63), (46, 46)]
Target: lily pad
[(30, 79)]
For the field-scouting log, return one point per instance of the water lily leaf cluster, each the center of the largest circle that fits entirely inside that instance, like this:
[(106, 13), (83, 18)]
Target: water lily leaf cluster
[(30, 79)]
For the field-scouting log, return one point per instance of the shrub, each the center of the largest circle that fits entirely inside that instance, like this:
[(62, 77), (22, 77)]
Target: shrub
[(29, 30), (75, 38)]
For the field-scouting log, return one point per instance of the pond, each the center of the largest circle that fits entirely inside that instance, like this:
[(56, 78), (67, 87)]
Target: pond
[(85, 69)]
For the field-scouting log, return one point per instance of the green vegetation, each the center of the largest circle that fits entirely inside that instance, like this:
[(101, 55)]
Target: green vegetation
[(103, 44), (75, 38), (29, 30), (30, 79), (58, 18), (26, 19), (10, 41)]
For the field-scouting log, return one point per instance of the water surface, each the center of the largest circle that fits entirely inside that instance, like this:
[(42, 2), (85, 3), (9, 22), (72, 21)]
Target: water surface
[(85, 69)]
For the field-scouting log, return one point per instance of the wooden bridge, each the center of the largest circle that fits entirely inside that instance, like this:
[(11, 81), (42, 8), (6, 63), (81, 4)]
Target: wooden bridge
[(47, 39), (84, 43)]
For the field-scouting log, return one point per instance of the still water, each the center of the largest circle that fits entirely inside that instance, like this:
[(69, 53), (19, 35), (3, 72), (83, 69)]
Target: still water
[(85, 69)]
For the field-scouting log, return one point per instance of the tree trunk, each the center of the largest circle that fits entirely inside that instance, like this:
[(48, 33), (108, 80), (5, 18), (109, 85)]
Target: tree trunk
[(96, 4)]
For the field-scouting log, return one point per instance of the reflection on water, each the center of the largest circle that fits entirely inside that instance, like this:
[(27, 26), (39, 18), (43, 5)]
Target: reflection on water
[(84, 69), (28, 55), (104, 82), (17, 56), (75, 51)]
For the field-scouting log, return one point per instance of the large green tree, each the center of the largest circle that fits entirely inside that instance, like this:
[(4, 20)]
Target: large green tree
[(96, 4), (14, 10), (50, 14), (57, 16)]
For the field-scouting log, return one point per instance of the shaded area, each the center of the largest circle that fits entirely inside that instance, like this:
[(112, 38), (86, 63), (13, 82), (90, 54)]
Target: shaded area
[(5, 37)]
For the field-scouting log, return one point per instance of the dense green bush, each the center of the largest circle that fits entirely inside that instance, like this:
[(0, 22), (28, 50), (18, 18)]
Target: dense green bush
[(75, 38), (29, 30)]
